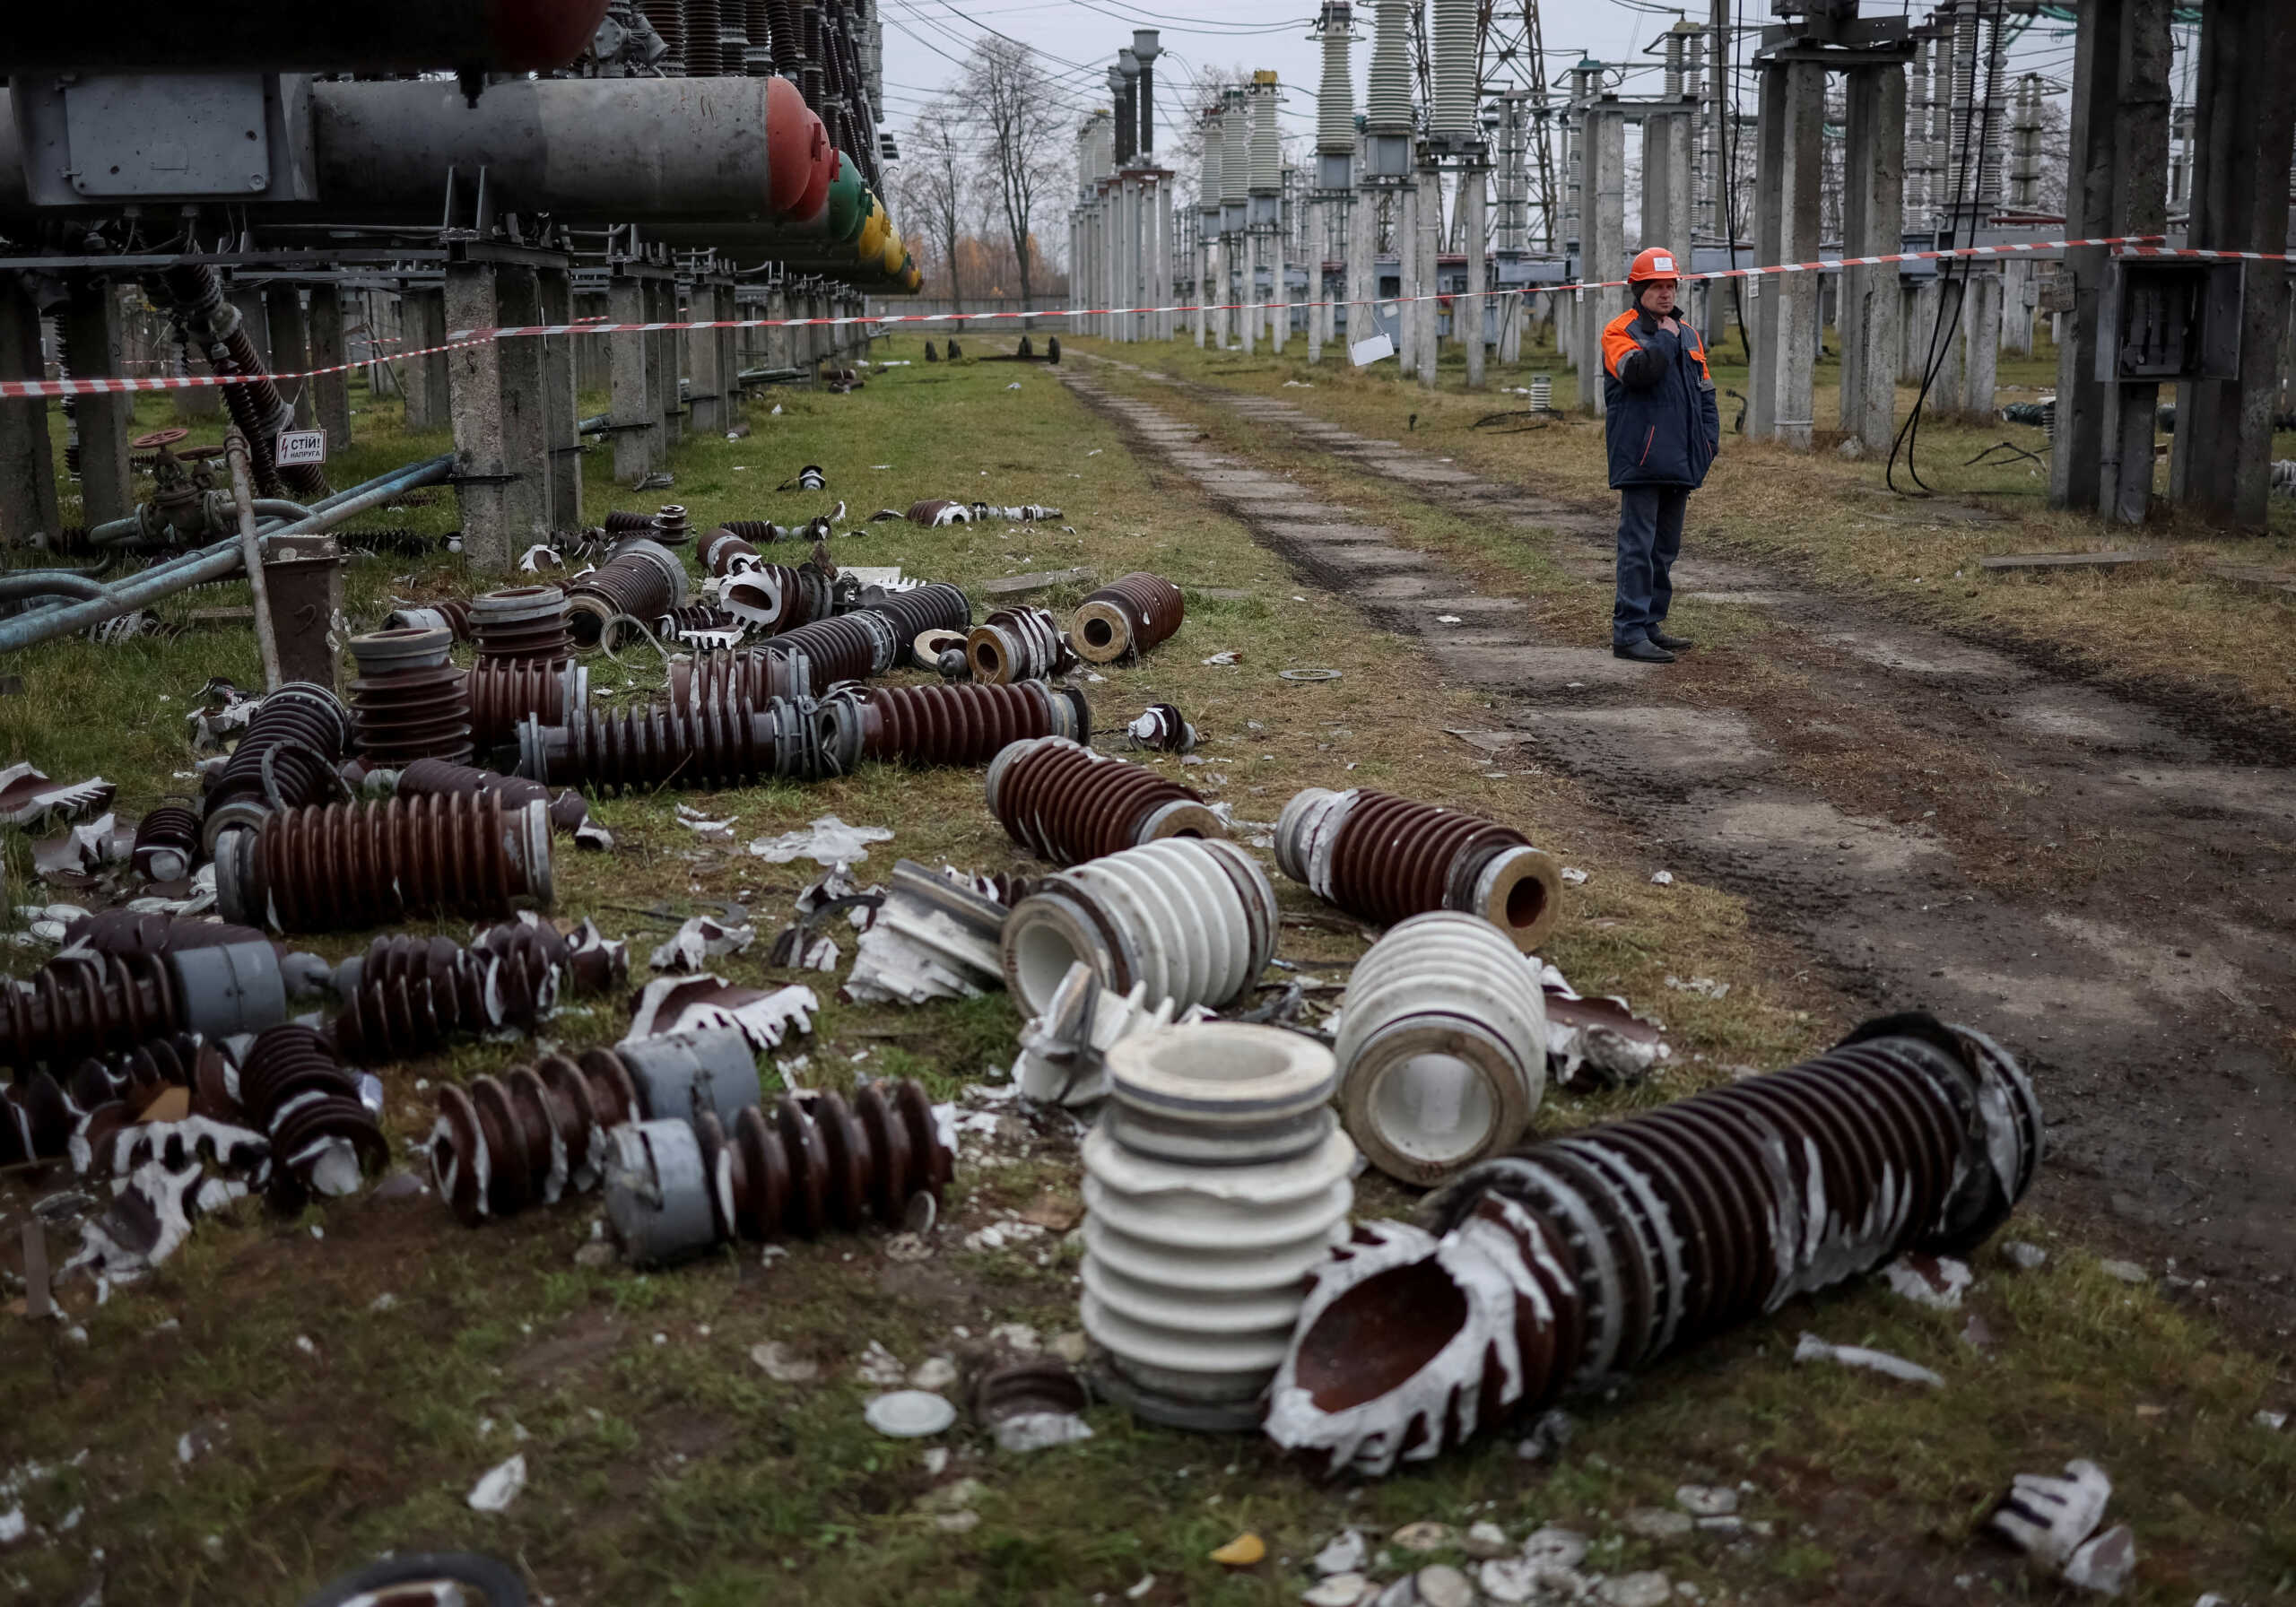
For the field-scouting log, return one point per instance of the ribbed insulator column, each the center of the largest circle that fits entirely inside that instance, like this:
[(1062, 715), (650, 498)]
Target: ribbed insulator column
[(1385, 857), (1456, 45), (1265, 175), (300, 1095), (167, 843), (1581, 1257), (348, 867), (1442, 1046), (521, 622), (504, 691), (408, 702), (773, 597), (287, 751), (503, 1143), (1215, 1181), (1336, 101), (408, 995), (1193, 919), (1064, 803), (853, 647), (643, 579), (1126, 616), (967, 722), (1387, 90), (934, 606), (751, 678), (733, 545), (450, 614), (1017, 644), (1235, 153)]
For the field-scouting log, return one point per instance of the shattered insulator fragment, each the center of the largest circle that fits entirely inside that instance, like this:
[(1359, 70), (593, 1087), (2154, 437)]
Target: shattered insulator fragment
[(42, 1113), (504, 691), (939, 510), (774, 597), (1576, 1259), (133, 931), (408, 995), (718, 745), (1384, 857), (352, 865), (1193, 918), (751, 678), (288, 753), (966, 724), (1442, 1046), (806, 1167), (522, 622), (408, 702), (1161, 729), (671, 529), (1064, 803), (167, 843), (629, 521), (1215, 1181), (427, 777), (696, 617), (1126, 617), (936, 607), (399, 542), (732, 546), (86, 1002), (643, 580), (299, 1094), (853, 647), (451, 615), (1018, 644)]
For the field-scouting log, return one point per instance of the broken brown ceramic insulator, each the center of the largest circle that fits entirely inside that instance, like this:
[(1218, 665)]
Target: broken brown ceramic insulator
[(1126, 616), (1065, 803), (939, 510), (42, 1113), (643, 580), (296, 1092), (935, 606), (1017, 644), (408, 702), (522, 622), (967, 724), (352, 865), (428, 778), (751, 678), (131, 932), (504, 1143), (286, 757), (732, 546), (853, 647), (724, 744), (774, 597), (450, 614), (167, 843), (504, 691), (628, 521), (81, 1004), (1581, 1257), (1384, 858), (671, 529), (408, 995), (1161, 728), (696, 616)]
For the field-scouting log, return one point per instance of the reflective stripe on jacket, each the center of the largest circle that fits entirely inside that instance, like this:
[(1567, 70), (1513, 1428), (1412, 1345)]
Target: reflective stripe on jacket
[(1659, 411)]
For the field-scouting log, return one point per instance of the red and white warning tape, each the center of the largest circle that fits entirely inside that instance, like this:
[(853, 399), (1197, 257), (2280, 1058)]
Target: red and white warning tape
[(2132, 244)]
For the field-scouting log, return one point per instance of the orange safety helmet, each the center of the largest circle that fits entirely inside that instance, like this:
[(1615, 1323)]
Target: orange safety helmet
[(1656, 263)]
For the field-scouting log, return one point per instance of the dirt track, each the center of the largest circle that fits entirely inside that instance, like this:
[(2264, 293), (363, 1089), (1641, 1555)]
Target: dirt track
[(2108, 886)]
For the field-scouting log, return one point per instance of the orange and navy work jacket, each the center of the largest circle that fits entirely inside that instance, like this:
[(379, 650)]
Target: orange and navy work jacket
[(1659, 411)]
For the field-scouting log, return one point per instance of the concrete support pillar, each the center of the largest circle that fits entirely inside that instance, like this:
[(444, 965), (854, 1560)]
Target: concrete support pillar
[(1467, 311), (92, 338), (1426, 346), (1666, 212), (2017, 295), (27, 501), (1279, 297), (1207, 255), (729, 351), (495, 392), (592, 371), (704, 356), (1318, 224), (1914, 300), (1791, 349), (198, 403), (1981, 342), (291, 346), (669, 309), (780, 340), (1946, 348), (1873, 225), (1362, 265), (2220, 462), (1248, 296), (423, 313), (1601, 146), (637, 409), (1406, 277), (2285, 390), (560, 411), (330, 393), (1770, 230), (1165, 242)]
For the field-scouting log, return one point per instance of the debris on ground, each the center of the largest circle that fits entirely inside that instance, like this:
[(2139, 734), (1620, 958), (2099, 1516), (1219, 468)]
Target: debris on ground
[(672, 1004), (2053, 1520), (28, 798), (909, 1414), (1811, 1348), (500, 1485), (1936, 1281), (1246, 1550), (827, 841), (701, 939)]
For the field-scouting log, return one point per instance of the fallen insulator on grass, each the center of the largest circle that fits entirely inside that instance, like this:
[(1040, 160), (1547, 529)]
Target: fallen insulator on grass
[(408, 995), (852, 646), (934, 606), (1384, 857), (286, 756), (307, 1102), (711, 745), (1442, 1046), (1579, 1258), (732, 546), (1127, 617), (408, 702), (1064, 803), (42, 1112), (751, 678), (1194, 919), (440, 777), (85, 1002), (676, 1189), (643, 580), (1018, 644), (522, 622), (1215, 1181), (1161, 729), (966, 724), (504, 691), (450, 614), (167, 843), (352, 865), (1063, 1051), (933, 938), (699, 619), (774, 597), (938, 511), (669, 527)]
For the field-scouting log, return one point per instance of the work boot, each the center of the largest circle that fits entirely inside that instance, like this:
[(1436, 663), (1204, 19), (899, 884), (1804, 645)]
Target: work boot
[(1671, 644), (1641, 652)]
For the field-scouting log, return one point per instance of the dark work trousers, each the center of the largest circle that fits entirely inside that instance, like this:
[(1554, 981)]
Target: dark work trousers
[(1649, 540)]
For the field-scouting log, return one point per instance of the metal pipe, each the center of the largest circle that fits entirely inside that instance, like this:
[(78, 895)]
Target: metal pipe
[(266, 641), (40, 583), (213, 563)]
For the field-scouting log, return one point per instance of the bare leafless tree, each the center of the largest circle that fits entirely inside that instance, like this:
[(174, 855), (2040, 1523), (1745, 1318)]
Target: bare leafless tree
[(1019, 128), (939, 188)]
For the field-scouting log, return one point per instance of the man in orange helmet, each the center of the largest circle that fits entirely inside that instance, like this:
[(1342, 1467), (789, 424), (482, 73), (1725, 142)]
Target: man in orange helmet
[(1663, 429)]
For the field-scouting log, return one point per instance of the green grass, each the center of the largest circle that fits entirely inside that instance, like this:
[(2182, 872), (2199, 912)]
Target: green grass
[(676, 1472)]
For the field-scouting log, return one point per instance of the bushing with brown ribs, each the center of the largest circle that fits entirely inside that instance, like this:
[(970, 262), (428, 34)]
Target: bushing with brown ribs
[(1017, 644), (1126, 616), (503, 692), (966, 724), (852, 646), (85, 1003), (629, 521), (450, 614), (713, 744), (770, 598), (408, 702), (643, 580), (1065, 803), (429, 777), (934, 606), (1384, 858), (732, 546), (167, 843), (286, 756), (323, 1137), (352, 865), (697, 616), (522, 622), (41, 1111), (753, 676), (504, 1143), (408, 995), (671, 526)]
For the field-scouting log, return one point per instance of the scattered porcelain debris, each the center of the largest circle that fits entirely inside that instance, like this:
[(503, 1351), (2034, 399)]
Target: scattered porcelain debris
[(827, 841), (909, 1414), (2127, 1272), (683, 1003), (1936, 1281), (2274, 1420), (500, 1486), (1812, 1349), (1422, 1537), (1706, 1500), (1486, 1541), (879, 1367), (702, 938), (784, 1366), (2048, 1517), (1572, 876), (1337, 1590), (2104, 1563), (1705, 987), (1226, 656), (1343, 1553), (1040, 1430), (1662, 878), (2024, 1255), (1636, 1590), (1660, 1522)]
